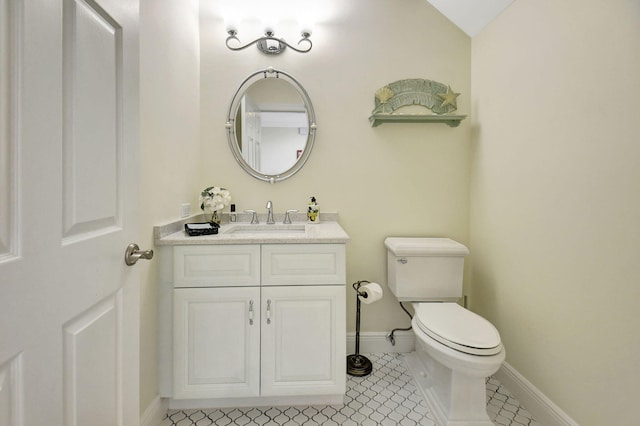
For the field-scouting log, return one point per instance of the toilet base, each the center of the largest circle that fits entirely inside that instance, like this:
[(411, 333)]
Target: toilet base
[(454, 399)]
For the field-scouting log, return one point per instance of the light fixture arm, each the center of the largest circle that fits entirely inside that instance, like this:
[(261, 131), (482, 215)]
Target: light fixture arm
[(265, 47)]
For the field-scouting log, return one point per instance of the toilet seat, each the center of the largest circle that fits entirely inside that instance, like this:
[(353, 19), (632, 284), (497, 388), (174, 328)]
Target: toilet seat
[(458, 328)]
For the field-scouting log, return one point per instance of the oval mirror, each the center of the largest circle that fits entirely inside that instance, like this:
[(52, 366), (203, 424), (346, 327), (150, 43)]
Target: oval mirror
[(271, 125)]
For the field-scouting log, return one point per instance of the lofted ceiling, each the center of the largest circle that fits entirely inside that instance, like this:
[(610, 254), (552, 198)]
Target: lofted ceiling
[(471, 16)]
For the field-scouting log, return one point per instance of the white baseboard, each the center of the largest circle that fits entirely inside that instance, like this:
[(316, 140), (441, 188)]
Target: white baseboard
[(259, 401), (542, 408), (155, 412), (377, 342)]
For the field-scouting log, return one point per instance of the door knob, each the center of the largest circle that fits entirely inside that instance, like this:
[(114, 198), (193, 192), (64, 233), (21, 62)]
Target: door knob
[(133, 253)]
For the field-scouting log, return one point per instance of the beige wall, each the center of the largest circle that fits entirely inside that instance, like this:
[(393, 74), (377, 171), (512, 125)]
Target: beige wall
[(549, 152), (409, 179), (169, 126), (555, 199), (391, 180)]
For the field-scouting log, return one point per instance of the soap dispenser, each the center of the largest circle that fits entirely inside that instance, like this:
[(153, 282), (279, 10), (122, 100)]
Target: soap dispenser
[(313, 211)]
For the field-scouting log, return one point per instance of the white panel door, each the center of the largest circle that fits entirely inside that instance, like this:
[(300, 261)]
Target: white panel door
[(303, 340), (251, 132), (216, 340), (69, 307)]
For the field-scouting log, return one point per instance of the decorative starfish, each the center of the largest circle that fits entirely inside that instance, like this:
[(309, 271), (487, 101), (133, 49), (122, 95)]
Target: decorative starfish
[(449, 98)]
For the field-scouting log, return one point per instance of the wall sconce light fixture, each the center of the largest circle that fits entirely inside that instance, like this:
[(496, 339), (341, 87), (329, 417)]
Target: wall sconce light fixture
[(269, 44)]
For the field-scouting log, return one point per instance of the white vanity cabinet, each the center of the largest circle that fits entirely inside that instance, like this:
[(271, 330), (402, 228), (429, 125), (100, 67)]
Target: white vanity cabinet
[(258, 323)]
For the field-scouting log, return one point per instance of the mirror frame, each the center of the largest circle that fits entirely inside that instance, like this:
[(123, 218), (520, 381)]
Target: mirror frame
[(233, 111)]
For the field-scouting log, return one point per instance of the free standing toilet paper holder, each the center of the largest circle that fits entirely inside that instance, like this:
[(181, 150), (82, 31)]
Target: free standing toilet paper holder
[(358, 365)]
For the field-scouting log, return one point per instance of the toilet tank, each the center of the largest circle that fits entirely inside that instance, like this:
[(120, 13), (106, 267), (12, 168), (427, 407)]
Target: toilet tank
[(425, 269)]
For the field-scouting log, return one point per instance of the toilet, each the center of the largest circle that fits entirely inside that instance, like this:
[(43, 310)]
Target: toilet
[(456, 349)]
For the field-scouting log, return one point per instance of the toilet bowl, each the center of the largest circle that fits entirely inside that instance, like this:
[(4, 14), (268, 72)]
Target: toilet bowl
[(456, 349)]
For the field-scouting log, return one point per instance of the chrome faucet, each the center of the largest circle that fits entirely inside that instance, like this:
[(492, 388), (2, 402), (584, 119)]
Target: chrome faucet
[(254, 216), (270, 220), (287, 217)]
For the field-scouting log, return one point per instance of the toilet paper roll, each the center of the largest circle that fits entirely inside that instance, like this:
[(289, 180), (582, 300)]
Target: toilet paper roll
[(370, 293)]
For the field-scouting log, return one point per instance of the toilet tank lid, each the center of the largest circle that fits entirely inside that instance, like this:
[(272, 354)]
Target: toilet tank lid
[(416, 246)]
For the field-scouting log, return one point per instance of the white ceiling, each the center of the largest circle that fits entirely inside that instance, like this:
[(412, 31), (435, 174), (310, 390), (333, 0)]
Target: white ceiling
[(471, 16)]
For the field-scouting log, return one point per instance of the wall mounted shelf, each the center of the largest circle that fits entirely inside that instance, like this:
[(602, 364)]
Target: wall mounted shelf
[(449, 120), (437, 99)]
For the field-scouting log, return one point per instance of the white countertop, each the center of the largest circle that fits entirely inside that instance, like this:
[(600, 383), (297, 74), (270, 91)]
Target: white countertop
[(324, 232)]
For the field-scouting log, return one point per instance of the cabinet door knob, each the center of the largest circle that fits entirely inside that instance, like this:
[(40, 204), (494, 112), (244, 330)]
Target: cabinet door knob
[(251, 312), (269, 311)]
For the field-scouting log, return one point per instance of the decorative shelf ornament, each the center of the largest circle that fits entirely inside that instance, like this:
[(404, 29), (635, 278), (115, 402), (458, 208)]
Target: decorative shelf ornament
[(429, 94)]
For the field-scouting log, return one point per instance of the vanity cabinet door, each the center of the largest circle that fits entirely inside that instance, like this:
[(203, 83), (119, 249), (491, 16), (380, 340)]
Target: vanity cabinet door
[(216, 266), (303, 264), (303, 340), (216, 342)]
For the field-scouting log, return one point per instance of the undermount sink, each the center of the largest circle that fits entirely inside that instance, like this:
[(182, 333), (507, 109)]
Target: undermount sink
[(265, 229)]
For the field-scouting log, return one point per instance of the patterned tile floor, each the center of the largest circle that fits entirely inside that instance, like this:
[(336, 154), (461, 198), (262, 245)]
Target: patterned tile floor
[(386, 397)]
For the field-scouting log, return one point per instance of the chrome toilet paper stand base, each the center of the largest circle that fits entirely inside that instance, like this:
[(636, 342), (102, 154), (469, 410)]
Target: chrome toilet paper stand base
[(358, 365)]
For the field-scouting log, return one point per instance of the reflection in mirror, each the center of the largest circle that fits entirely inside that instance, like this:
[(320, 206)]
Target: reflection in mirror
[(271, 125)]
